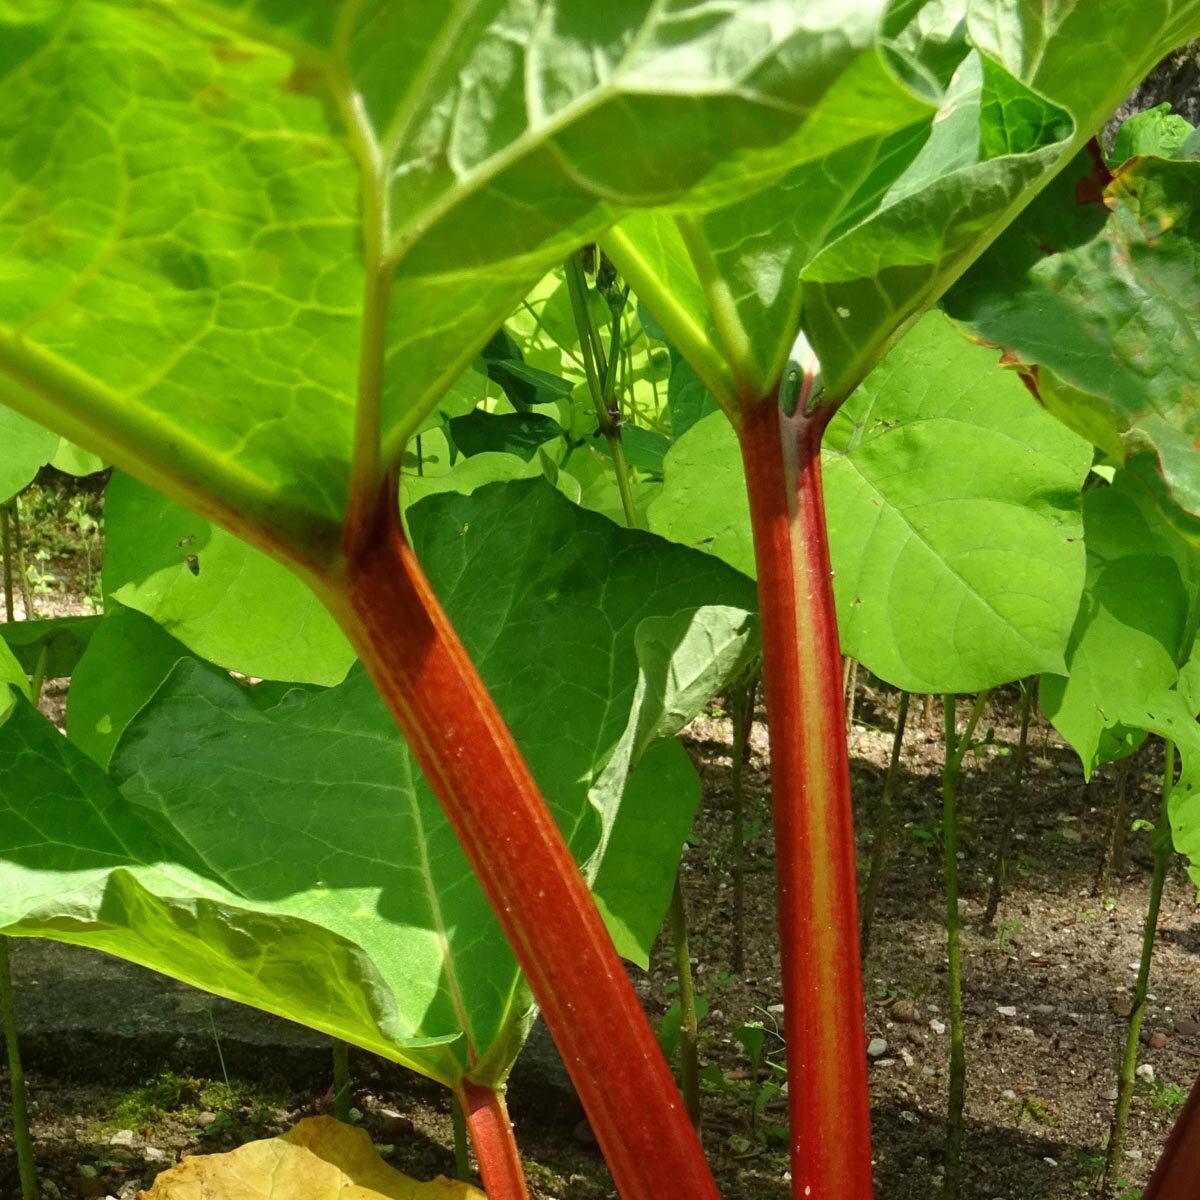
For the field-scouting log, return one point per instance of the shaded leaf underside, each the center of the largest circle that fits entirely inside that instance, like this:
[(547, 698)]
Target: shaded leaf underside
[(290, 855)]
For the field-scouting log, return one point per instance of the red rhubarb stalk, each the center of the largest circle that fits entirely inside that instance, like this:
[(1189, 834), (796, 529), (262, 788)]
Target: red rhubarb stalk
[(810, 784), (525, 868), (1177, 1176), (495, 1147)]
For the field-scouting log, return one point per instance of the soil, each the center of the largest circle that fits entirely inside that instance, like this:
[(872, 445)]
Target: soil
[(1047, 993)]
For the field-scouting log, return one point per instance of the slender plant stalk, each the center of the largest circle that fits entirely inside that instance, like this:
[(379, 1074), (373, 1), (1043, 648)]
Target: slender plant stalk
[(18, 545), (1010, 805), (38, 680), (543, 904), (689, 1035), (1112, 861), (10, 612), (495, 1147), (883, 830), (601, 377), (1128, 1068), (927, 713), (810, 783), (742, 705), (22, 1140), (16, 1079), (956, 749), (851, 690), (1179, 1167), (462, 1158), (341, 1081)]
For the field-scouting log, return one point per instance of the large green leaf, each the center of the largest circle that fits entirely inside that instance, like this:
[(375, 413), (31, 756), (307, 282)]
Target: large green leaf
[(218, 595), (289, 855), (1098, 306), (24, 447), (953, 509), (874, 229), (227, 225), (1135, 627)]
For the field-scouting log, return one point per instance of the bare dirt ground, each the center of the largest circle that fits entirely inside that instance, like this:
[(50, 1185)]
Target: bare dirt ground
[(1046, 992)]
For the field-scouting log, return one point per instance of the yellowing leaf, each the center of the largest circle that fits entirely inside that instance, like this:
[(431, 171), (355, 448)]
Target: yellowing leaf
[(321, 1159)]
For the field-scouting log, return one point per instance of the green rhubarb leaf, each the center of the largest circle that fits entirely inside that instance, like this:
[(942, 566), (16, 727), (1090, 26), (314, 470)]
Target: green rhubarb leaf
[(75, 460), (856, 243), (223, 599), (467, 474), (1096, 304), (518, 433), (126, 660), (1135, 628), (288, 854), (1157, 131), (243, 222), (24, 447), (13, 681), (953, 510), (1170, 715)]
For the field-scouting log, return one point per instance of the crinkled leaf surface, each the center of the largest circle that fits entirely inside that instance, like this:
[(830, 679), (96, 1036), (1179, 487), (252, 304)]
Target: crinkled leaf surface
[(226, 222), (1136, 623), (320, 1159), (874, 229), (217, 594), (1094, 296), (953, 510), (1157, 131), (290, 856)]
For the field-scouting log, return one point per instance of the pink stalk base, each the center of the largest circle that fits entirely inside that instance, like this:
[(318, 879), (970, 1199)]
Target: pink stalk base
[(524, 866), (814, 830), (1177, 1176), (495, 1147)]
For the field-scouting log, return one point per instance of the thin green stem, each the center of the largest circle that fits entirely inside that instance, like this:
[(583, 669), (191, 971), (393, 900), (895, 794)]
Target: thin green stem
[(851, 692), (597, 377), (18, 545), (38, 681), (689, 1050), (1128, 1068), (1010, 804), (462, 1157), (341, 1081), (10, 612), (883, 829), (16, 1076), (956, 749), (743, 722)]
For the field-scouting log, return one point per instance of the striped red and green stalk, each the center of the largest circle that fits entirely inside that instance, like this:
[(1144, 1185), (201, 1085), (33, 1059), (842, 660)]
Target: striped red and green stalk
[(541, 899), (810, 784)]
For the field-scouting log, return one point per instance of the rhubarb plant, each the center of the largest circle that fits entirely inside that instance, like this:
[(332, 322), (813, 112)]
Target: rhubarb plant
[(248, 253)]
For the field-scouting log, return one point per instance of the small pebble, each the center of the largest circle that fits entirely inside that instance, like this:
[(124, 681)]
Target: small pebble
[(877, 1048), (1146, 1073)]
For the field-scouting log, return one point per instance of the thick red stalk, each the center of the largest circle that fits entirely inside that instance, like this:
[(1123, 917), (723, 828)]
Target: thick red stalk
[(810, 783), (1177, 1176), (525, 867), (495, 1147)]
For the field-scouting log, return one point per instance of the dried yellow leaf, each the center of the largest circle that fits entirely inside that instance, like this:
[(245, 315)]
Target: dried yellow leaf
[(320, 1159)]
